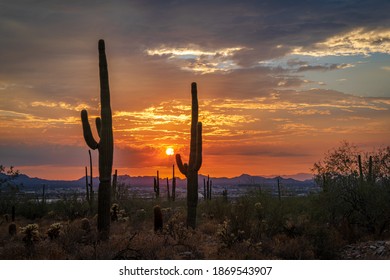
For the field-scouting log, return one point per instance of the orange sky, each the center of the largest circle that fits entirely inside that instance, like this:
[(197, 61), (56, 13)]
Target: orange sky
[(274, 96)]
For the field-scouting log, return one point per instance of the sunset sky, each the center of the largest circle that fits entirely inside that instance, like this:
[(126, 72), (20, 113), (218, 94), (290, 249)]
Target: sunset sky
[(279, 82)]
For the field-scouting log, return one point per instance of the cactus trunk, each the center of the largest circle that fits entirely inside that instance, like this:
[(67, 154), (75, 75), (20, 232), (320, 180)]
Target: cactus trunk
[(91, 180), (173, 183), (87, 187), (191, 169), (168, 192), (114, 185), (156, 185), (105, 145)]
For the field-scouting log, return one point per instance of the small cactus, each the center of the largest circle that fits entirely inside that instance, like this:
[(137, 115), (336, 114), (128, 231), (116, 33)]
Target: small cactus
[(31, 234), (156, 185), (158, 219), (168, 192), (207, 185), (114, 186), (12, 229), (54, 231), (173, 183)]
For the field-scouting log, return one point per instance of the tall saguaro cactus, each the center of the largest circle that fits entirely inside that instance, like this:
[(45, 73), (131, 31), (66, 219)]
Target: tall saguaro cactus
[(105, 145), (190, 169)]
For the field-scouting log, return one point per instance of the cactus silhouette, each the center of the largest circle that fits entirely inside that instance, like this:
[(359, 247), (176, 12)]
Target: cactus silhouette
[(191, 169), (173, 183), (105, 146), (207, 185), (156, 185), (12, 229), (158, 219), (369, 176), (114, 185)]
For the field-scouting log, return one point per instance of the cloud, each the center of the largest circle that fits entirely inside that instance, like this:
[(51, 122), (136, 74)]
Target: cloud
[(60, 105), (326, 67), (192, 58), (25, 154), (360, 41)]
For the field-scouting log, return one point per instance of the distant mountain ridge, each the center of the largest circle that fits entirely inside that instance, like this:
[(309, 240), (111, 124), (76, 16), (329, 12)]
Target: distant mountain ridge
[(146, 181)]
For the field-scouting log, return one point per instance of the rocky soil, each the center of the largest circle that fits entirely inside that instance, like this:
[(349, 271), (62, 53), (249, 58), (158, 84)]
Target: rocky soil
[(370, 250)]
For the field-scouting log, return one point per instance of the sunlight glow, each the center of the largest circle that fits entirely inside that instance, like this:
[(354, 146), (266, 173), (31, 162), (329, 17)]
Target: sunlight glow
[(169, 151)]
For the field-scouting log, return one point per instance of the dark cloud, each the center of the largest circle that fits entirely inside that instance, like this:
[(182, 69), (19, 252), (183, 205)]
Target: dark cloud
[(22, 154)]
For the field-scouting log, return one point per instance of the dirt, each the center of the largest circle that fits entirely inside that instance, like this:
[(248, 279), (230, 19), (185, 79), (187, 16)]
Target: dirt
[(370, 250)]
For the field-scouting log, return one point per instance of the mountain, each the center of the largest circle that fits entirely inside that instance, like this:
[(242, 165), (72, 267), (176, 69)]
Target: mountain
[(243, 180)]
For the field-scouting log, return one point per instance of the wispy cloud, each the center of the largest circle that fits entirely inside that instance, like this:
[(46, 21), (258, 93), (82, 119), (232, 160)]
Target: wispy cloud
[(359, 41), (60, 105), (193, 58)]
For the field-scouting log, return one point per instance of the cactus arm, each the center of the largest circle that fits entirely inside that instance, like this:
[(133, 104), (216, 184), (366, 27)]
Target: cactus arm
[(198, 159), (98, 122), (183, 168), (91, 142)]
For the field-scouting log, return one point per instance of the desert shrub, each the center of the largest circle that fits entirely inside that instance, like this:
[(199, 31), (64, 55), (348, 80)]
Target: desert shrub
[(31, 209), (85, 225), (326, 241), (114, 212), (209, 228), (356, 187), (70, 207), (228, 235), (176, 228), (296, 248), (216, 208)]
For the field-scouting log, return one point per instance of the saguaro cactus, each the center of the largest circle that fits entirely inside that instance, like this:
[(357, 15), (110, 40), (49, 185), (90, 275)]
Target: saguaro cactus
[(156, 185), (173, 183), (105, 145), (168, 192), (91, 180), (114, 186), (191, 169), (207, 185)]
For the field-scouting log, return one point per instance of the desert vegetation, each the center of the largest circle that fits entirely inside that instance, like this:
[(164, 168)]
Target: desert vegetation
[(254, 226)]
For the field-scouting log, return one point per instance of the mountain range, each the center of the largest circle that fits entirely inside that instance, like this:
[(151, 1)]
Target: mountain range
[(147, 181)]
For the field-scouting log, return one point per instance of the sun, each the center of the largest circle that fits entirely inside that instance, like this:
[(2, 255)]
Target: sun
[(169, 151)]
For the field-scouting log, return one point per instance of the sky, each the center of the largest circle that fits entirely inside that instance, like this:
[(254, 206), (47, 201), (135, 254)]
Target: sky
[(279, 82)]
